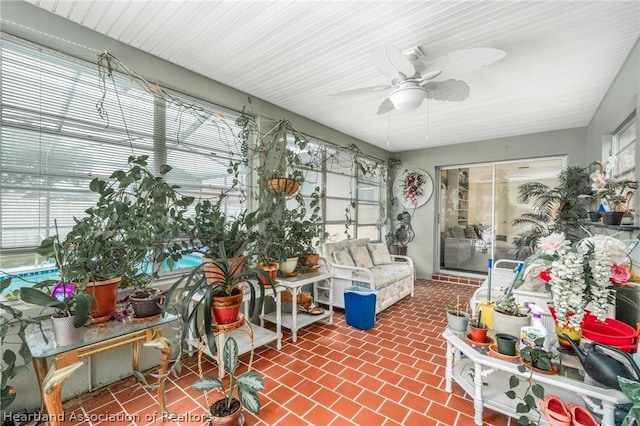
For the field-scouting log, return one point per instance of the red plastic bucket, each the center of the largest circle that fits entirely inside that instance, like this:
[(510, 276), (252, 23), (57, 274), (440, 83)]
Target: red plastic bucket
[(610, 332)]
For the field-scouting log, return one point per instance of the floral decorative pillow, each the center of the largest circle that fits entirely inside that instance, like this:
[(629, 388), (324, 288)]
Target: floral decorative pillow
[(379, 253), (361, 257), (342, 257)]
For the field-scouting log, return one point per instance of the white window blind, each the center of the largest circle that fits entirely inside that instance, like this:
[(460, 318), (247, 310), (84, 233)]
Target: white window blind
[(53, 142)]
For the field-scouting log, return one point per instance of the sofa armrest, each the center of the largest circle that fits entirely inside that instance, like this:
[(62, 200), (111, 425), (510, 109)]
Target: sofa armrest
[(402, 258)]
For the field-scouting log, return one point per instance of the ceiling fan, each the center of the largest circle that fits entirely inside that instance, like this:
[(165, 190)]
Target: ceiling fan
[(414, 77)]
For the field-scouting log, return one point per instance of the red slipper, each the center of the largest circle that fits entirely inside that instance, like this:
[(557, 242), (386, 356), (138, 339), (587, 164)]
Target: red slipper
[(581, 416), (555, 411)]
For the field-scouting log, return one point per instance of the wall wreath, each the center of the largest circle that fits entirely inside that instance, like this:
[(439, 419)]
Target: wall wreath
[(413, 188)]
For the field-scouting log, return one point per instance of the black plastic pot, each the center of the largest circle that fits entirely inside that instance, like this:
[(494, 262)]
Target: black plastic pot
[(146, 304)]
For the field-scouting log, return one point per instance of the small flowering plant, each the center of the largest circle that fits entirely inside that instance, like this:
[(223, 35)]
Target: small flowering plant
[(615, 192), (585, 272)]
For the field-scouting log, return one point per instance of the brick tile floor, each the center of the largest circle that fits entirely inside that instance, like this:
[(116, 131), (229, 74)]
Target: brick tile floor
[(333, 375)]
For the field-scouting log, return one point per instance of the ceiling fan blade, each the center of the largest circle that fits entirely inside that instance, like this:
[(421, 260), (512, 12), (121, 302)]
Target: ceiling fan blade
[(449, 90), (363, 90), (465, 60), (390, 61), (385, 106)]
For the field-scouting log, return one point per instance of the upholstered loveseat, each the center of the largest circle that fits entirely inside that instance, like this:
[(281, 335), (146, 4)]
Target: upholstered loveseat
[(366, 264)]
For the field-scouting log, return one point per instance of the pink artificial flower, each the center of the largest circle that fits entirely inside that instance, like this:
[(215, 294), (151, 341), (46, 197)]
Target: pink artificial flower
[(619, 274)]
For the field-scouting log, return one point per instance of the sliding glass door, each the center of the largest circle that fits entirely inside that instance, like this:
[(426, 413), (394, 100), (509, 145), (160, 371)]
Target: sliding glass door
[(477, 205)]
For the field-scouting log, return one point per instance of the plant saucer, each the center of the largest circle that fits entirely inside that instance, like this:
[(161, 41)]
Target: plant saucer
[(493, 350), (488, 341)]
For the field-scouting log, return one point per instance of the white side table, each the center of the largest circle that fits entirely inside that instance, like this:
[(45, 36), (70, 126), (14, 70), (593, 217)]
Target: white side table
[(294, 321), (487, 379)]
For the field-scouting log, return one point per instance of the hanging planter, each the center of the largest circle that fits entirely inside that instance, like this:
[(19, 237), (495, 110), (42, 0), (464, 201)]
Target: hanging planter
[(284, 186)]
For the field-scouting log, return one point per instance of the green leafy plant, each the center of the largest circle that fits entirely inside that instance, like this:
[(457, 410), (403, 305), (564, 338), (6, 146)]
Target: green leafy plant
[(248, 383), (212, 227), (508, 306), (190, 297), (12, 331), (138, 220), (558, 209), (539, 358)]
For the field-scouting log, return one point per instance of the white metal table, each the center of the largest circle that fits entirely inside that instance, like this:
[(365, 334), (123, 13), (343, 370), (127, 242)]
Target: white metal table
[(486, 378), (295, 320)]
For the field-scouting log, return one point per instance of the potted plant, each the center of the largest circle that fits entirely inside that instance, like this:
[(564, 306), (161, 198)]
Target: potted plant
[(212, 227), (531, 355), (478, 330), (227, 410), (13, 327), (192, 293), (558, 209), (400, 233), (615, 194), (457, 318), (72, 309), (509, 317), (134, 227), (311, 234), (279, 171)]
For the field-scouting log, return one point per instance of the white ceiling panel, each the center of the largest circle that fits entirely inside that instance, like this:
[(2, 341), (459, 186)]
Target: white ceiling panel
[(561, 57)]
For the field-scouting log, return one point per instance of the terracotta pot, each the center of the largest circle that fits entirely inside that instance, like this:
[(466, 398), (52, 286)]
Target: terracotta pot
[(225, 309), (271, 269), (230, 420), (213, 273), (283, 186), (104, 299), (478, 334)]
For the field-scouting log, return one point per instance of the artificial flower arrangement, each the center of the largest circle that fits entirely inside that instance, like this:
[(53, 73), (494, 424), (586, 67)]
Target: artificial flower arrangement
[(586, 272), (616, 193), (412, 187)]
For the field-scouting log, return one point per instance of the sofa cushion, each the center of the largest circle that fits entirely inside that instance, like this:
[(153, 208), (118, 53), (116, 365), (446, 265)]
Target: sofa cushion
[(329, 248), (379, 253), (343, 257), (361, 256), (386, 275)]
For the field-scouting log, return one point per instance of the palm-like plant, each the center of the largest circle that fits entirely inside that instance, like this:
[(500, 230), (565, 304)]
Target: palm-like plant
[(558, 209)]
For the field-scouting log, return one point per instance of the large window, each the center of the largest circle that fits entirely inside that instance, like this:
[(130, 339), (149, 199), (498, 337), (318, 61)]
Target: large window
[(54, 142), (624, 149), (354, 196), (64, 123)]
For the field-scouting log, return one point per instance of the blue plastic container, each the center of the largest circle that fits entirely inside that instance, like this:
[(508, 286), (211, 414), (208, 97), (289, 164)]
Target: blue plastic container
[(360, 307)]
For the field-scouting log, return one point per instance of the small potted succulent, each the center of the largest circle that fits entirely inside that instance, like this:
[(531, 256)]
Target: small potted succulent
[(457, 318), (509, 317)]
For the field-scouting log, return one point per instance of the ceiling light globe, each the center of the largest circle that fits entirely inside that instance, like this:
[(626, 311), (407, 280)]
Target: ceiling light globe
[(407, 98)]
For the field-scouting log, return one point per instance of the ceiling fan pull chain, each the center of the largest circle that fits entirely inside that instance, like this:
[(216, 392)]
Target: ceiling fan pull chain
[(388, 125)]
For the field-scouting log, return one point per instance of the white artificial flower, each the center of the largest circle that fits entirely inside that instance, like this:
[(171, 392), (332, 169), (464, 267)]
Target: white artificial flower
[(553, 244)]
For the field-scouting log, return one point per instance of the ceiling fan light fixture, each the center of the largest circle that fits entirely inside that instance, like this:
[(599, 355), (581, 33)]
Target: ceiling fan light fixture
[(407, 98)]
